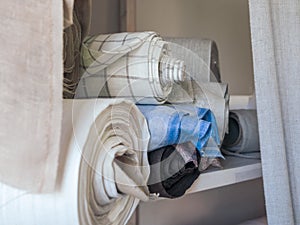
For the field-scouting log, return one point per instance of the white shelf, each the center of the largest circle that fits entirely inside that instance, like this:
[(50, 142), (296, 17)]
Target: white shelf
[(234, 170)]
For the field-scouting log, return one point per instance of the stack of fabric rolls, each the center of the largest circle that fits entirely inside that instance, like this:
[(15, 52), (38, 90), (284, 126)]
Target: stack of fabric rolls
[(142, 117), (178, 98)]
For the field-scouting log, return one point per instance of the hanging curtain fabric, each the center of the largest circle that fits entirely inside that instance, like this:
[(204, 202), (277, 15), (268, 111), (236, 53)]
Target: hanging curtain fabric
[(68, 12), (103, 169), (276, 55), (31, 86), (77, 19)]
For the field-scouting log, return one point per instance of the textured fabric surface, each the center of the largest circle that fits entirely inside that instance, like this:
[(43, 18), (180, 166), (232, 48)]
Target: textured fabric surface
[(74, 34), (103, 169), (31, 87), (201, 57), (243, 134), (202, 84), (136, 65), (175, 124), (276, 54), (173, 169), (215, 97)]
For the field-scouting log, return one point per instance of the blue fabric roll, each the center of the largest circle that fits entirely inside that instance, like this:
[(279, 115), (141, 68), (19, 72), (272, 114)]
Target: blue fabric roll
[(175, 124)]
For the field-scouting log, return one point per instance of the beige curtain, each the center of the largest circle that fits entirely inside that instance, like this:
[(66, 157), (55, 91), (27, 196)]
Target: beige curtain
[(31, 92), (275, 28)]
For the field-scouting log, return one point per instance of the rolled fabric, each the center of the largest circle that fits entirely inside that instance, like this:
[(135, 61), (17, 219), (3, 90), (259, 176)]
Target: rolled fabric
[(174, 169), (176, 124), (243, 134), (242, 102), (137, 66), (215, 97), (202, 61), (103, 170), (202, 84)]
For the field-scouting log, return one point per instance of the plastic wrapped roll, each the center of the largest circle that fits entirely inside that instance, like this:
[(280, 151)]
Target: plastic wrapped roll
[(137, 66), (103, 170), (243, 132)]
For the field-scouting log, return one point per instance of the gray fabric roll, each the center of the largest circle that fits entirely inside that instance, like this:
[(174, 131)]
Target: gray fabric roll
[(207, 61), (243, 132)]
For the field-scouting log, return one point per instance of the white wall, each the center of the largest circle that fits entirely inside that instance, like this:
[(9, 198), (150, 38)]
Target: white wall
[(225, 21)]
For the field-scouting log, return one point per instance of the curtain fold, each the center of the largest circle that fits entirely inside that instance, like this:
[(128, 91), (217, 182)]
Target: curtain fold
[(31, 92), (275, 30)]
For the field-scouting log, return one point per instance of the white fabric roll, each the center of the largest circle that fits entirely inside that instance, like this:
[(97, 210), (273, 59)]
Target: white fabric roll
[(137, 66), (103, 169), (242, 102)]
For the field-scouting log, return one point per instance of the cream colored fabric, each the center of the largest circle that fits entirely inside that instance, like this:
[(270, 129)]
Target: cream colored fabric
[(31, 92), (275, 28), (68, 12), (103, 169), (136, 65), (242, 102)]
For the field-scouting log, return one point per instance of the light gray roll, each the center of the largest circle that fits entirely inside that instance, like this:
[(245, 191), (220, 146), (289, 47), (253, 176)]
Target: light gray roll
[(207, 62), (243, 134)]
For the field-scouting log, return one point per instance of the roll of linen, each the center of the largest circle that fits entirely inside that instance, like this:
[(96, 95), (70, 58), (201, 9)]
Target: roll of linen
[(202, 59), (243, 134), (103, 169), (136, 65)]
